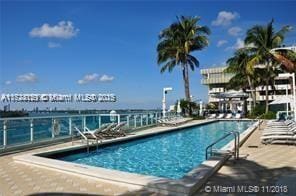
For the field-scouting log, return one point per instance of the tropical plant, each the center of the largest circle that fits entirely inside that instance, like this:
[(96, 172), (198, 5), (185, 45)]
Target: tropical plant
[(287, 59), (263, 39), (187, 107), (240, 65), (176, 44)]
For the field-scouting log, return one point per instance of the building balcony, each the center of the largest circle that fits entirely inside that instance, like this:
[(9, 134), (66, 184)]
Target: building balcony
[(216, 80)]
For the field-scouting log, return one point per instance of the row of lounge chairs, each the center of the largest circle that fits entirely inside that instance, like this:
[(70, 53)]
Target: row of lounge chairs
[(106, 131), (224, 115), (279, 132), (173, 121)]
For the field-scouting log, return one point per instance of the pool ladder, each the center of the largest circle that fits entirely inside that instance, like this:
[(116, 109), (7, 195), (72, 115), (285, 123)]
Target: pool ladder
[(235, 134)]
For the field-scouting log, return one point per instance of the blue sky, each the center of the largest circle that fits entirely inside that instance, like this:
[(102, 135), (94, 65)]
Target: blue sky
[(104, 47)]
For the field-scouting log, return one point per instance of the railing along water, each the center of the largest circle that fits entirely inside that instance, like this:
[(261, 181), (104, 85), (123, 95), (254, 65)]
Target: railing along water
[(236, 135), (20, 131)]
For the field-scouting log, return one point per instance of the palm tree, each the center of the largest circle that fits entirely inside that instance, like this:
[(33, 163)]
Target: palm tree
[(287, 59), (263, 39), (176, 44), (240, 65)]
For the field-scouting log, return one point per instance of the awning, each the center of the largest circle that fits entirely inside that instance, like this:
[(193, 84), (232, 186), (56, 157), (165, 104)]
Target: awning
[(230, 94), (282, 100)]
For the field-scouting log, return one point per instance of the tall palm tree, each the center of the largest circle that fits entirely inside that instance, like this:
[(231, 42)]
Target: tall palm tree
[(240, 65), (265, 38), (176, 44), (287, 59)]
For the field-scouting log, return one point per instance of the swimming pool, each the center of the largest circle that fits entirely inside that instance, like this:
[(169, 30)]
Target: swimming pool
[(170, 155)]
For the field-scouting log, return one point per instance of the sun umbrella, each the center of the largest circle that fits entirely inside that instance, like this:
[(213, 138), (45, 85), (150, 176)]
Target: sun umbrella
[(282, 100)]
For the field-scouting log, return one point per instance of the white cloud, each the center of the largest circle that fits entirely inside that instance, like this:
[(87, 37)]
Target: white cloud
[(225, 18), (234, 31), (221, 43), (89, 78), (95, 78), (64, 30), (8, 82), (54, 45), (106, 78), (238, 44), (28, 77)]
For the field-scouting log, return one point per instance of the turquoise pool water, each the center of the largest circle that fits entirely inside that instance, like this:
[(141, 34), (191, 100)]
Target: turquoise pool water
[(169, 155)]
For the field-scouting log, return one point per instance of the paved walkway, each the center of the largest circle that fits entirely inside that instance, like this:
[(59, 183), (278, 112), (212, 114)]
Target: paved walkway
[(260, 165), (19, 179)]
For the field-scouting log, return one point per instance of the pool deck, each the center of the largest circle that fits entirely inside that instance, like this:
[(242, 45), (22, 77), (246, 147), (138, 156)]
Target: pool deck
[(270, 164), (260, 165)]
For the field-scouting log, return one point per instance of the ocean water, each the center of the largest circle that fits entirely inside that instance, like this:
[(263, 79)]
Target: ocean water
[(169, 155)]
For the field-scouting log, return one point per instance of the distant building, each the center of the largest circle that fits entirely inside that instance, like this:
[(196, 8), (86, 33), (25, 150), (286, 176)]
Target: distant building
[(216, 80)]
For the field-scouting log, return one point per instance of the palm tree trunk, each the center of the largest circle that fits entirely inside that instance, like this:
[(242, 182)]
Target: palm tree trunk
[(186, 82), (266, 96), (253, 93)]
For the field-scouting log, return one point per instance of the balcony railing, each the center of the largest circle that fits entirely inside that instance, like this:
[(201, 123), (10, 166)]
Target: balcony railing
[(33, 130), (216, 80)]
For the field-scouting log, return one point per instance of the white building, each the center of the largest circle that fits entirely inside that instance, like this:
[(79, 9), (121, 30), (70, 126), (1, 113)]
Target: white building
[(216, 80)]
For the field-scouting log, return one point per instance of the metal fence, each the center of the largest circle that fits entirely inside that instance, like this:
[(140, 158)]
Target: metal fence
[(33, 130)]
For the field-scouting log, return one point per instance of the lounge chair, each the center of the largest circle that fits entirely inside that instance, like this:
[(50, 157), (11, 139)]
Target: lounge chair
[(221, 115), (113, 131), (118, 129), (86, 136), (212, 116), (279, 132), (238, 116), (104, 132), (173, 121), (95, 132), (228, 116)]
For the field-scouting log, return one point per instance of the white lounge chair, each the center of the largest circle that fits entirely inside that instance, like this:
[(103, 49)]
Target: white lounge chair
[(238, 116), (228, 116), (211, 116), (221, 115), (279, 132), (87, 136)]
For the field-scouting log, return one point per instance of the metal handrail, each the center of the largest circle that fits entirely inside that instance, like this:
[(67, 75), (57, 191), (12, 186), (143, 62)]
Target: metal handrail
[(236, 143), (70, 115), (69, 120)]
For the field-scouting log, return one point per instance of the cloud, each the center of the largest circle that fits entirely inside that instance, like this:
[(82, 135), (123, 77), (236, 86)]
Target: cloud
[(95, 78), (54, 45), (28, 77), (235, 31), (8, 82), (221, 43), (225, 18), (63, 30), (106, 78), (89, 78), (238, 44)]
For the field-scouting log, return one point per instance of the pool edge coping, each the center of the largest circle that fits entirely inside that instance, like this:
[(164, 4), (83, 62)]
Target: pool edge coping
[(191, 182)]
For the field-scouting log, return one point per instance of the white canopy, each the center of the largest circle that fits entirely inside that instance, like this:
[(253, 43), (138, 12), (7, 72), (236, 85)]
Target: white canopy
[(282, 100)]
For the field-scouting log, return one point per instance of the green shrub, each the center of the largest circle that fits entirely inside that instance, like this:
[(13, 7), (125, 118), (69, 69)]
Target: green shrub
[(197, 117), (258, 110), (269, 115)]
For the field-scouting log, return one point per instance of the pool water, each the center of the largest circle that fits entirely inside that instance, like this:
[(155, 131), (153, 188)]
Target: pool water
[(169, 155)]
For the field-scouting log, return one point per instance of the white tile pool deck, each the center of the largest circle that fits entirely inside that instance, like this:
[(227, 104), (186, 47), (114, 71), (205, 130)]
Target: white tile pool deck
[(20, 179)]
